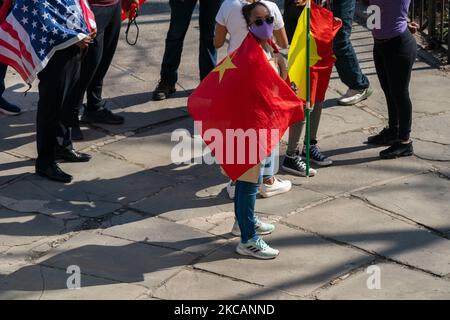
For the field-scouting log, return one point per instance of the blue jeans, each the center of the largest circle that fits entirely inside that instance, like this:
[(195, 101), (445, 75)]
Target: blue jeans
[(245, 201), (347, 64), (3, 68), (181, 14)]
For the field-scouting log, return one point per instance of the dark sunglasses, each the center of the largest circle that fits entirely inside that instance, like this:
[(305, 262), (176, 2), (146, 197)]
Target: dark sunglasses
[(269, 20)]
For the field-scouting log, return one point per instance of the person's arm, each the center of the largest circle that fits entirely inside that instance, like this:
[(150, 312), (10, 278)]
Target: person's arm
[(282, 65), (281, 38), (220, 36)]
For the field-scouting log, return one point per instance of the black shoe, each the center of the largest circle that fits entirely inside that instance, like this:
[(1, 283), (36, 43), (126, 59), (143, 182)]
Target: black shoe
[(76, 134), (8, 108), (163, 90), (70, 155), (53, 172), (397, 150), (101, 115), (386, 137)]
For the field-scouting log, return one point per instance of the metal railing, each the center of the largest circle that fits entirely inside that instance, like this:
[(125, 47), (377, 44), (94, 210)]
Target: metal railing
[(433, 16)]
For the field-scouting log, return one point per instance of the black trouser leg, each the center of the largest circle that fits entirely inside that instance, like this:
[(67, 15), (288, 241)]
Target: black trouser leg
[(55, 82), (380, 66), (110, 36), (3, 68), (207, 54), (105, 17), (397, 56)]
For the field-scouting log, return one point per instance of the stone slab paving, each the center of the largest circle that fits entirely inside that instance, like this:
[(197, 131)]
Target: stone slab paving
[(351, 221), (397, 282), (297, 271), (142, 227)]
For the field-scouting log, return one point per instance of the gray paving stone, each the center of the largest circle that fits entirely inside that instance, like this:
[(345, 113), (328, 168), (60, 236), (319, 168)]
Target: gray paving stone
[(422, 198), (196, 285), (397, 283), (21, 228), (197, 198), (356, 165), (42, 283), (118, 260), (295, 270), (432, 151), (286, 203), (351, 221), (165, 233), (12, 168)]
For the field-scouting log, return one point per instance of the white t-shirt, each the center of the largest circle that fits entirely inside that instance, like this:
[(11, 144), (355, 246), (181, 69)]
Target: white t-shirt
[(230, 16)]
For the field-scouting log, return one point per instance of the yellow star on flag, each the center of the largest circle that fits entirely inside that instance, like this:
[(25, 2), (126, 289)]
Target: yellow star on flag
[(227, 64)]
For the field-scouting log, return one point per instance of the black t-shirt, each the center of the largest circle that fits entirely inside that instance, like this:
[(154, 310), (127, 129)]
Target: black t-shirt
[(291, 15)]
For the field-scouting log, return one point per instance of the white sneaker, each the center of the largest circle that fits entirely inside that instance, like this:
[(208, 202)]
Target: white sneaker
[(262, 228), (231, 189), (278, 187), (354, 96), (258, 249)]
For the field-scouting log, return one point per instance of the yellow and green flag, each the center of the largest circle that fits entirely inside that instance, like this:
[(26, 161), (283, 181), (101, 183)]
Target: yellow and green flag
[(323, 28)]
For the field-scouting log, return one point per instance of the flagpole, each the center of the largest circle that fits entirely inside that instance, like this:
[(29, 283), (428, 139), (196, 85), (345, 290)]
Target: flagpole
[(308, 85)]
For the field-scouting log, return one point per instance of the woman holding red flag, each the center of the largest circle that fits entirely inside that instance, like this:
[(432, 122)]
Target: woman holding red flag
[(229, 20), (260, 24)]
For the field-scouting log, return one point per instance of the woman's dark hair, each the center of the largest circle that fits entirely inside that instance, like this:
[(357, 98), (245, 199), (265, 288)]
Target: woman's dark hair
[(248, 8)]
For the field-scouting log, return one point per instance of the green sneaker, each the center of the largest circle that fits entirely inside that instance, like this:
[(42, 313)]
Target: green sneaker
[(262, 228), (258, 249)]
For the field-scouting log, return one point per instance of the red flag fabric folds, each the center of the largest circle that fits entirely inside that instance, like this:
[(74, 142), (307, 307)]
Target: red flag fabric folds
[(243, 105)]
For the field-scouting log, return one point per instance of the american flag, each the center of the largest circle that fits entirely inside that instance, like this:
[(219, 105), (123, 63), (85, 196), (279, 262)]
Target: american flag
[(35, 29)]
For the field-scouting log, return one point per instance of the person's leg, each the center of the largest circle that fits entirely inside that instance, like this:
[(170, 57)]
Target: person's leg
[(54, 83), (399, 67), (180, 18), (402, 53), (347, 64), (388, 135), (251, 244), (91, 59), (208, 53), (316, 156), (3, 68), (295, 132), (244, 207), (5, 106), (110, 40), (271, 185)]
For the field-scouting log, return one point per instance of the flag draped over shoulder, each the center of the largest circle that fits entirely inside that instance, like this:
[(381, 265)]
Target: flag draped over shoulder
[(323, 30), (242, 96), (35, 29)]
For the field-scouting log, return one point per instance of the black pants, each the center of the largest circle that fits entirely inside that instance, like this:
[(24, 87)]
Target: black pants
[(53, 116), (291, 15), (3, 68), (180, 18), (394, 61), (98, 58)]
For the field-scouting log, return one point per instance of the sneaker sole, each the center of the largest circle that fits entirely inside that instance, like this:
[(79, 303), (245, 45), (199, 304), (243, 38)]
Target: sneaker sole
[(161, 97), (91, 121), (322, 163), (251, 254), (9, 113), (409, 154), (297, 173), (275, 193), (238, 234), (364, 97)]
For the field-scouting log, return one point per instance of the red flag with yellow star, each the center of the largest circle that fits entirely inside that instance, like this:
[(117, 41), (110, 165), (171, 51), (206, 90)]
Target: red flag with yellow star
[(243, 108)]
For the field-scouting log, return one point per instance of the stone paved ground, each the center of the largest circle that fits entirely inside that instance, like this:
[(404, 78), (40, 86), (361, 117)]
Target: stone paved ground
[(140, 227)]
